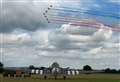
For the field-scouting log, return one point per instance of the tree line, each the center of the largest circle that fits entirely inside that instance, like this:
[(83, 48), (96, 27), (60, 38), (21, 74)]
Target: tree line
[(85, 68)]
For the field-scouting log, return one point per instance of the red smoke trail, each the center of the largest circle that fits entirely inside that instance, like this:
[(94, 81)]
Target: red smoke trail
[(88, 25)]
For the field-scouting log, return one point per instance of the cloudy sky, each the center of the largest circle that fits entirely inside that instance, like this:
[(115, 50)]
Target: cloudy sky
[(26, 38)]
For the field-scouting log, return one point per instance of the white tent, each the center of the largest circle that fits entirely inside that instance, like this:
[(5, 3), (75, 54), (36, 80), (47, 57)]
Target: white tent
[(73, 72), (37, 71), (77, 72), (32, 71), (41, 72), (68, 72)]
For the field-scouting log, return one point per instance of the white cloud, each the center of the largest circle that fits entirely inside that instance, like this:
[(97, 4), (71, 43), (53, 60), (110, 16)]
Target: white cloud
[(77, 30), (115, 1), (102, 34), (41, 36), (14, 38), (68, 36), (95, 51)]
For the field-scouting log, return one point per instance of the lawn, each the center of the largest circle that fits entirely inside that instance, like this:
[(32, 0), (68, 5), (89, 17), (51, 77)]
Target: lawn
[(80, 78)]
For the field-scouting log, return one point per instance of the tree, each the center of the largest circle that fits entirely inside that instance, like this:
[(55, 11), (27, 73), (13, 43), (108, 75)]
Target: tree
[(87, 68), (42, 68), (31, 67), (108, 70), (1, 67), (119, 71)]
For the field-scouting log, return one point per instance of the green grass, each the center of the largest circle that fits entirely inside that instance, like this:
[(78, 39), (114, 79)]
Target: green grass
[(79, 78)]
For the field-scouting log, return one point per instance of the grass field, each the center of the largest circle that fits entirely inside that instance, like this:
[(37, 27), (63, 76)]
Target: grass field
[(79, 78)]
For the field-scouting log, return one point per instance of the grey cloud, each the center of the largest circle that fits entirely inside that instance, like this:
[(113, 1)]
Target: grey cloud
[(25, 15)]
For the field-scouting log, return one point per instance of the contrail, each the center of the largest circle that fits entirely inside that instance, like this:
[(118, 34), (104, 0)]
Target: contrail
[(76, 21), (87, 25), (96, 10), (86, 12)]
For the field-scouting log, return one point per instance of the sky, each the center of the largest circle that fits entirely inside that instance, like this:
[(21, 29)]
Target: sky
[(27, 39)]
